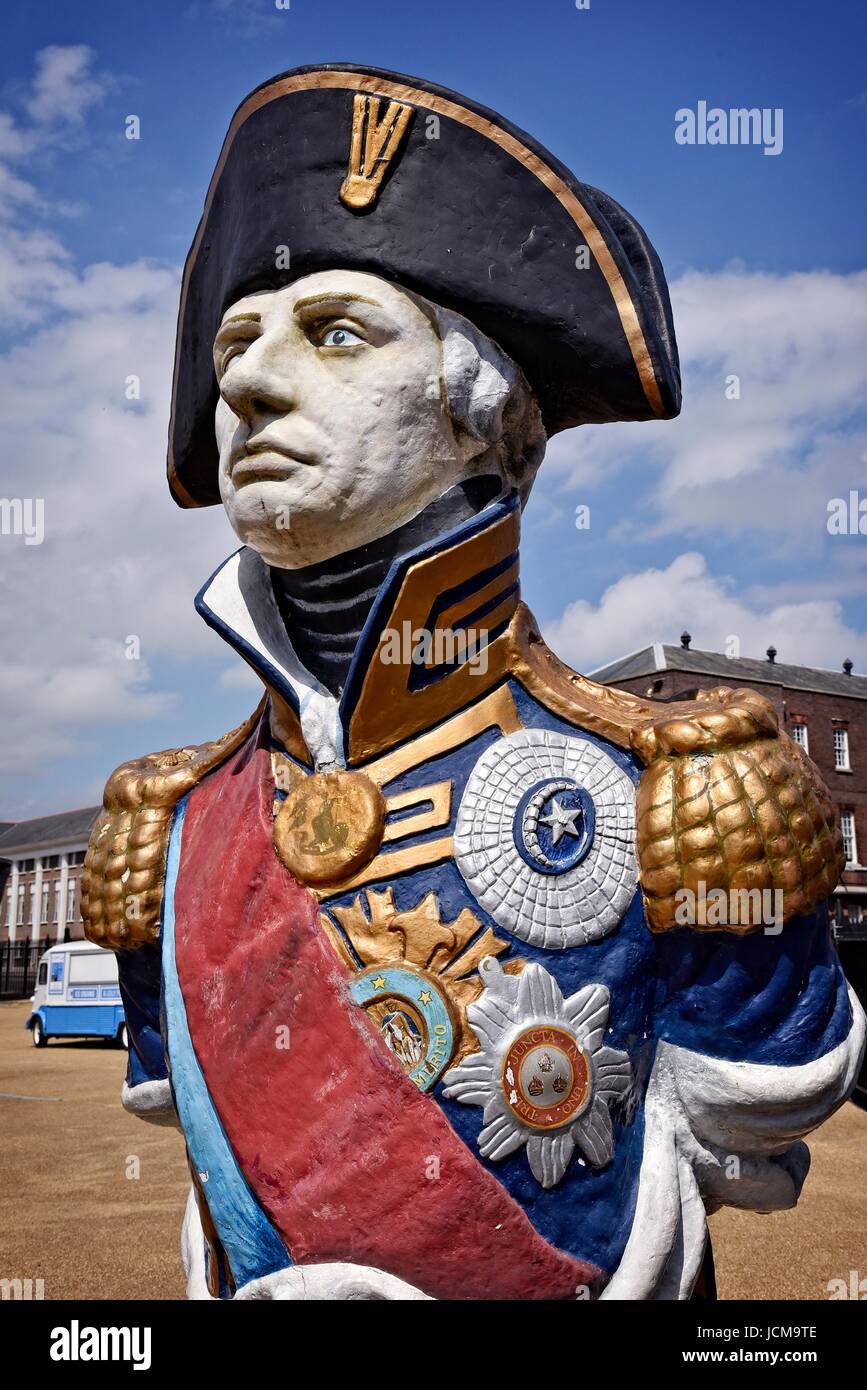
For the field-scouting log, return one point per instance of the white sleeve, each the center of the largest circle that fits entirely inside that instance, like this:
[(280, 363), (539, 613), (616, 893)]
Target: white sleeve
[(721, 1133)]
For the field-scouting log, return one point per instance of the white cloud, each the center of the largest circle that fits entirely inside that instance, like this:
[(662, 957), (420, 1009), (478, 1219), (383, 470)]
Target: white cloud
[(65, 85), (15, 143), (240, 677), (656, 604), (63, 89), (797, 344), (753, 472), (766, 461), (34, 269), (118, 559), (92, 692)]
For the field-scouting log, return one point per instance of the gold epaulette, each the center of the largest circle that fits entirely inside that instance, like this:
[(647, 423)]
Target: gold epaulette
[(730, 802), (124, 871)]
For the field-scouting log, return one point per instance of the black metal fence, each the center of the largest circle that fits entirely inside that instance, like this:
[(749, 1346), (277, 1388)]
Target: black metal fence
[(18, 962)]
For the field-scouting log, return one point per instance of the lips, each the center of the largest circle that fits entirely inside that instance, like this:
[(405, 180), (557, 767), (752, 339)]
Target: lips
[(264, 459)]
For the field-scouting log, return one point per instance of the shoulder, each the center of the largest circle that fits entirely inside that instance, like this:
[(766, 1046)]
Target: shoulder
[(726, 799), (612, 714), (124, 870), (646, 727)]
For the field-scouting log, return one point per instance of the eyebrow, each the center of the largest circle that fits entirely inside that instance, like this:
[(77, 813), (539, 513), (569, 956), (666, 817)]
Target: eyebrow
[(336, 297), (251, 316)]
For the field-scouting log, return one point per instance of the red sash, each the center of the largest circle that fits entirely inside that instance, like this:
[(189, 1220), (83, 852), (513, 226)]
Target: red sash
[(333, 1138)]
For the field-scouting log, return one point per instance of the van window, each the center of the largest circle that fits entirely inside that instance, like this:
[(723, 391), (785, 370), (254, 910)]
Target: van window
[(42, 976), (93, 967)]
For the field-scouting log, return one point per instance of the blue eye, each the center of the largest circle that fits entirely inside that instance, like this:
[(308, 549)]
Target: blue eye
[(340, 337)]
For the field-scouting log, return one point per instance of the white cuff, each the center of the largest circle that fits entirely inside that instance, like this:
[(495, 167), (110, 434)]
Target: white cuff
[(150, 1100), (338, 1283)]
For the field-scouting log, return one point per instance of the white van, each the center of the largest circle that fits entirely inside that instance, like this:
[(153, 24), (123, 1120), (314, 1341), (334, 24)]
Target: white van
[(77, 995)]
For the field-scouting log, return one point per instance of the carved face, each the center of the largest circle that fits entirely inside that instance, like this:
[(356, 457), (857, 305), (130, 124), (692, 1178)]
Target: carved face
[(332, 424)]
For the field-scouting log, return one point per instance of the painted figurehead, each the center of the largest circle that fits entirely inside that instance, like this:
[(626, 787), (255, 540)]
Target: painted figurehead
[(377, 374), (426, 900)]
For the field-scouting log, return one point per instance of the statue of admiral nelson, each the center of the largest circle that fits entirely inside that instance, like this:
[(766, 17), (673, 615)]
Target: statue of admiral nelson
[(401, 956)]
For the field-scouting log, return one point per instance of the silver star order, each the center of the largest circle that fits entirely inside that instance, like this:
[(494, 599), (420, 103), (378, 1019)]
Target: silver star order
[(562, 821), (508, 1005)]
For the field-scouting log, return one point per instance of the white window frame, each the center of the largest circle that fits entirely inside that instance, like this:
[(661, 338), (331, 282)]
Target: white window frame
[(845, 765), (70, 901), (849, 817), (46, 893), (800, 725), (21, 898)]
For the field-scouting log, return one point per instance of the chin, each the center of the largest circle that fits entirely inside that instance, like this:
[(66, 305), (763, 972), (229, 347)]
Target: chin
[(293, 526), (279, 523), (266, 506)]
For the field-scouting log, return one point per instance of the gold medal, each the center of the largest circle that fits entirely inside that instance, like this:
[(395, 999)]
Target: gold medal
[(330, 826)]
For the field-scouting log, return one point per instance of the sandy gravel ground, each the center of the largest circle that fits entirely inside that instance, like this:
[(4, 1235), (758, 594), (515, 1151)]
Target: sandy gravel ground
[(68, 1212), (73, 1214)]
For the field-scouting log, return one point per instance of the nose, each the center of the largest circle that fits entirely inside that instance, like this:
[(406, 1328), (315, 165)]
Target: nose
[(256, 388)]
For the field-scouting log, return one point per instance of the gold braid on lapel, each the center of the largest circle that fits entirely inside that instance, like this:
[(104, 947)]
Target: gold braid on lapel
[(730, 802), (124, 871)]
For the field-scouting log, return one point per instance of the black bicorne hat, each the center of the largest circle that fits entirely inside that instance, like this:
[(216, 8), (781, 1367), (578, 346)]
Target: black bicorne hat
[(355, 167)]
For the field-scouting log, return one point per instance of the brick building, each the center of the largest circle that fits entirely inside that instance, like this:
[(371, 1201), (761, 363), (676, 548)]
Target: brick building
[(824, 711), (40, 876)]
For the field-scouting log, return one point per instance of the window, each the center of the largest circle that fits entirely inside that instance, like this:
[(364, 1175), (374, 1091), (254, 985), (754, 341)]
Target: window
[(45, 891), (70, 900), (76, 858), (42, 977), (847, 825), (20, 918), (57, 903), (9, 907), (841, 750), (799, 734)]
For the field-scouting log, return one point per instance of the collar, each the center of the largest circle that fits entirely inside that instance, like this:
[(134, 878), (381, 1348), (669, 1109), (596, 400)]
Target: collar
[(410, 668)]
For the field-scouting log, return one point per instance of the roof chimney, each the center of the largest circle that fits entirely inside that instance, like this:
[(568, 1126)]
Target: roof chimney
[(772, 655), (685, 640), (847, 666)]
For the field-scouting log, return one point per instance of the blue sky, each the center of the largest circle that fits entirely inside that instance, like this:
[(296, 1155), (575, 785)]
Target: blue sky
[(598, 87), (717, 521)]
